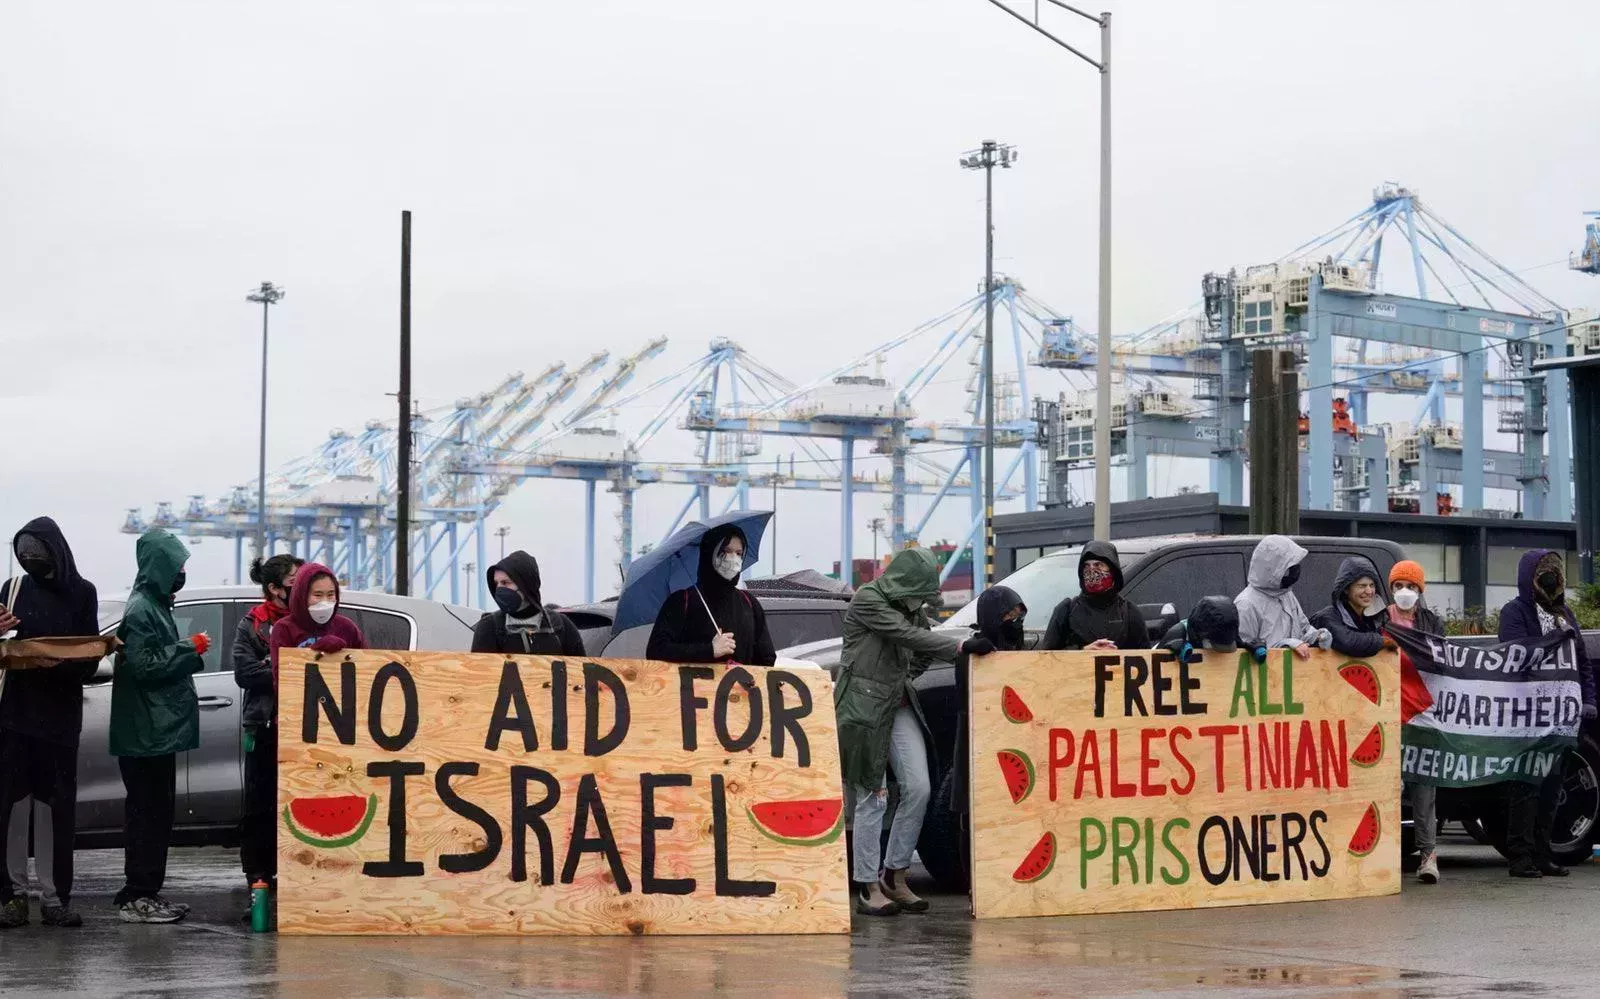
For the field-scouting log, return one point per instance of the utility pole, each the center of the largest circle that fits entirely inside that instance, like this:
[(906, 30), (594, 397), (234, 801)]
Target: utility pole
[(1102, 420), (777, 473), (471, 587), (875, 525), (402, 520), (986, 158), (268, 295), (501, 534)]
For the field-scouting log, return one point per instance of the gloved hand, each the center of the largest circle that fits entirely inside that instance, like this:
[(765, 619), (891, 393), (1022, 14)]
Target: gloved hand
[(1324, 639), (201, 642), (977, 646), (328, 643), (1259, 653), (1589, 712)]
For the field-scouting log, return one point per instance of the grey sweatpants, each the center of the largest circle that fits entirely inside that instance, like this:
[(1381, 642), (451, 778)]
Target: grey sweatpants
[(908, 758), (43, 847)]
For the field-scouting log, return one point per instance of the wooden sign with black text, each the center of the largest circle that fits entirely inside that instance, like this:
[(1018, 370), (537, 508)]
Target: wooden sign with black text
[(439, 793)]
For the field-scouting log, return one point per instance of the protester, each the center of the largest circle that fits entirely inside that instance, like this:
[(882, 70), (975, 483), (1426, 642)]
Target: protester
[(887, 643), (1409, 610), (1355, 618), (1099, 617), (714, 621), (1213, 624), (313, 620), (1270, 616), (41, 717), (523, 625), (1538, 609), (1001, 614), (155, 715), (252, 671)]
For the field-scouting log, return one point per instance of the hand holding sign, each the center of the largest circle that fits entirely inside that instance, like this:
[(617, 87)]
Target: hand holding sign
[(723, 645)]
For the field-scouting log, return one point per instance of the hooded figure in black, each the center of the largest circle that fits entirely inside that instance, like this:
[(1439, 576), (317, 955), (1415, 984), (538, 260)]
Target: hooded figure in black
[(1099, 613), (1001, 613), (523, 626), (1213, 624), (714, 621), (1357, 628), (41, 716)]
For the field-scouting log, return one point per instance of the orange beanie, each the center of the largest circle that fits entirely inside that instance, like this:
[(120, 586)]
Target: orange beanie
[(1407, 572)]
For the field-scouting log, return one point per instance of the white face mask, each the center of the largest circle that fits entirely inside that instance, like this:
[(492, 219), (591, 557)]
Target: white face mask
[(322, 612), (729, 566), (1406, 599)]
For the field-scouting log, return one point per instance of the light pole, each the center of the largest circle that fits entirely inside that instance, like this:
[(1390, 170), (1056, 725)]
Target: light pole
[(268, 295), (501, 534), (1102, 421), (990, 155)]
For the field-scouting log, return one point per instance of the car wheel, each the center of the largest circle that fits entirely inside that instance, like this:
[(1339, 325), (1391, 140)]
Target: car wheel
[(942, 845), (1573, 829)]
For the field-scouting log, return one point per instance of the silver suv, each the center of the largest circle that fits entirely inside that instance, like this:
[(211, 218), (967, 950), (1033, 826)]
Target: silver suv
[(210, 782)]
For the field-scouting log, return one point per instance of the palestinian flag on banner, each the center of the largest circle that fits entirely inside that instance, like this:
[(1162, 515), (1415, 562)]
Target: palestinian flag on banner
[(1487, 713)]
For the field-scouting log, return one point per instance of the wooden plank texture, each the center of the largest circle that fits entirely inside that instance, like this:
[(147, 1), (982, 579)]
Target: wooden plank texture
[(489, 845), (1168, 786)]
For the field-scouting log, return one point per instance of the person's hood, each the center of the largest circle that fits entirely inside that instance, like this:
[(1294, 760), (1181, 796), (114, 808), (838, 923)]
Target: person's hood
[(1214, 619), (1102, 551), (993, 606), (524, 571), (48, 534), (710, 542), (1351, 569), (300, 596), (1274, 556), (160, 556), (1528, 568), (913, 574)]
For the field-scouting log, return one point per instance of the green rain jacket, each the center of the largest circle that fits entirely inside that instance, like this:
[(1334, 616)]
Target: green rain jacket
[(887, 644), (154, 708)]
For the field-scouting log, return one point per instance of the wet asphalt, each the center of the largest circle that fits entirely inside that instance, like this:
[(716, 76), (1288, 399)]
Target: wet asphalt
[(1478, 933)]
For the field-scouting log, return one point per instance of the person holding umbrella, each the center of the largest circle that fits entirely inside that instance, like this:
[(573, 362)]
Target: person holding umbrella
[(714, 620)]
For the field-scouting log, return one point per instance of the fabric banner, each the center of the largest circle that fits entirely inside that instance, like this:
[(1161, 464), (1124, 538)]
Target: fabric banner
[(1489, 713)]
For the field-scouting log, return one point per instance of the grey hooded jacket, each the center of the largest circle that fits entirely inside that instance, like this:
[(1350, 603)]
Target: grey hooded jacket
[(1270, 615)]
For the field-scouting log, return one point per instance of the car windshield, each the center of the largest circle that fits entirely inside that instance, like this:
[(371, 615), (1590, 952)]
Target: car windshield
[(110, 612), (1041, 584)]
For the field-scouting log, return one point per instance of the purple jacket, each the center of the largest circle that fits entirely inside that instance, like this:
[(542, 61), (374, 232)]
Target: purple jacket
[(1519, 619)]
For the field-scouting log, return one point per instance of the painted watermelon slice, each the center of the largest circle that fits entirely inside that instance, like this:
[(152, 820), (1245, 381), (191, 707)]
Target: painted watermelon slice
[(330, 823), (1371, 749), (1360, 676), (1039, 861), (1012, 704), (1368, 833), (799, 823), (1018, 772)]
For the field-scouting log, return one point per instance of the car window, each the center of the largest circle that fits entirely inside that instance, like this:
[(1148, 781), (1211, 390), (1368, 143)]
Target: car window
[(1041, 584), (798, 627), (587, 620), (1317, 573), (110, 613), (630, 644), (383, 629), (1181, 580), (211, 618)]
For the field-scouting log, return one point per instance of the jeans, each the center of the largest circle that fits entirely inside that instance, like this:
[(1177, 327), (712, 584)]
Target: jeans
[(258, 847), (1424, 815), (908, 757), (42, 778), (146, 823), (1531, 810)]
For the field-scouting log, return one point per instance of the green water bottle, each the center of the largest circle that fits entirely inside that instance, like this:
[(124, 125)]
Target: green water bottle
[(249, 740), (260, 911)]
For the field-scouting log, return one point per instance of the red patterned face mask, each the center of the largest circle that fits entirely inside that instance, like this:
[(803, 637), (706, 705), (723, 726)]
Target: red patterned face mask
[(1097, 577)]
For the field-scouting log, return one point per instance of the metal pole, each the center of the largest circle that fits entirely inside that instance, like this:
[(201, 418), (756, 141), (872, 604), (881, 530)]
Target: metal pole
[(777, 471), (261, 482), (402, 526), (988, 368), (1102, 422)]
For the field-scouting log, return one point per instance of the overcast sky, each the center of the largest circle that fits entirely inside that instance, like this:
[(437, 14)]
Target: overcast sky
[(597, 173)]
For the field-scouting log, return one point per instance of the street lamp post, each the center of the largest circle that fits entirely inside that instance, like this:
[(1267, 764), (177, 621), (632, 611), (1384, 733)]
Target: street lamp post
[(1102, 421), (268, 295), (990, 155), (501, 534)]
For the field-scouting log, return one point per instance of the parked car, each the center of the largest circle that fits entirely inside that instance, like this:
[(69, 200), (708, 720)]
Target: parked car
[(792, 620), (210, 780), (1165, 577)]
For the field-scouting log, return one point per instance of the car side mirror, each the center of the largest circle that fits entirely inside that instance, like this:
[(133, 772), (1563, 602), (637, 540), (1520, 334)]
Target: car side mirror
[(1159, 619)]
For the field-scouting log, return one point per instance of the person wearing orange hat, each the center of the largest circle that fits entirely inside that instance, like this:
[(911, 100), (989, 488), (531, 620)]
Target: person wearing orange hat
[(1407, 609)]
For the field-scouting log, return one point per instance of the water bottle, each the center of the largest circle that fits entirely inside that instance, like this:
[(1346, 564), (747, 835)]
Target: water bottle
[(249, 741), (260, 911)]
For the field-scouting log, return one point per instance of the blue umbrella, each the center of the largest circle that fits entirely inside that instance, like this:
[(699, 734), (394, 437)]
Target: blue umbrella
[(676, 566)]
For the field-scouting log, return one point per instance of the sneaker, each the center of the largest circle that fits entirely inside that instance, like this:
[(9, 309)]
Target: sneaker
[(181, 907), (1428, 870), (1525, 870), (871, 901), (149, 910), (899, 892), (14, 913), (60, 915), (1551, 869)]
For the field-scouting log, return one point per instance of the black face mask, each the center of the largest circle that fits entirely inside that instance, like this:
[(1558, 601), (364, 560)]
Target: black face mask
[(507, 599), (1291, 577), (39, 567), (1550, 582), (179, 580), (1012, 632)]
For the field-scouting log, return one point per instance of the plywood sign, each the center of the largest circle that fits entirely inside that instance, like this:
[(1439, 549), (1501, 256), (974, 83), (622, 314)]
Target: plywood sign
[(449, 793), (1104, 782)]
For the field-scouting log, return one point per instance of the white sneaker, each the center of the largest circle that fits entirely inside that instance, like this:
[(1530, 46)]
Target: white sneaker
[(1428, 870), (149, 910)]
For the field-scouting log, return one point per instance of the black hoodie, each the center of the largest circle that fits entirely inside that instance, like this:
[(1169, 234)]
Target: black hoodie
[(552, 635), (683, 629), (1088, 617), (1353, 634), (48, 703)]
